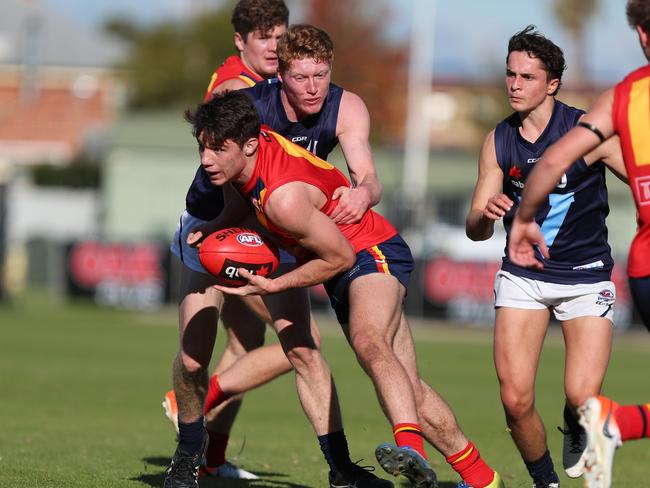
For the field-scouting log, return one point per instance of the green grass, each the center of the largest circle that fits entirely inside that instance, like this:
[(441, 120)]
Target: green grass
[(81, 390)]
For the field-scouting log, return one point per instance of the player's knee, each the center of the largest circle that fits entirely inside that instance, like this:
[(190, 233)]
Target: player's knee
[(517, 403), (190, 366), (303, 358), (368, 347), (578, 396)]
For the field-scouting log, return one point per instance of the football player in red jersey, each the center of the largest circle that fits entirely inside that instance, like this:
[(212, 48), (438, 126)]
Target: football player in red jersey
[(365, 267), (201, 304), (258, 26), (622, 110)]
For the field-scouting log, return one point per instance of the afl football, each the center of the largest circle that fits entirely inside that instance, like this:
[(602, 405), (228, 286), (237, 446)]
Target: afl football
[(225, 251)]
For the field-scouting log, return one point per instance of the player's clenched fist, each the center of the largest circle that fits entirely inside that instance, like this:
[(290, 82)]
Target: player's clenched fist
[(497, 206)]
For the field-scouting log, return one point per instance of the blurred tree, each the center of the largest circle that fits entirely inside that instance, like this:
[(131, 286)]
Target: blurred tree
[(122, 28), (365, 62), (574, 15), (170, 64)]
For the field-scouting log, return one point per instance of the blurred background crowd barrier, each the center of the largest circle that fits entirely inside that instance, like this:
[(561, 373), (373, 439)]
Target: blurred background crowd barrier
[(95, 157)]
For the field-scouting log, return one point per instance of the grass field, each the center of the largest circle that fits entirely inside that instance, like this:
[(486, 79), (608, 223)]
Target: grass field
[(81, 391)]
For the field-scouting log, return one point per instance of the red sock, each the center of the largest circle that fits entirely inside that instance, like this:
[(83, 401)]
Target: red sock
[(215, 395), (633, 421), (471, 467), (409, 435), (216, 453)]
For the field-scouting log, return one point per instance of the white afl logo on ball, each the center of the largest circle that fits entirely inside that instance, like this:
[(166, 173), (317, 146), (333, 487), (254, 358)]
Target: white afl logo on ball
[(252, 240)]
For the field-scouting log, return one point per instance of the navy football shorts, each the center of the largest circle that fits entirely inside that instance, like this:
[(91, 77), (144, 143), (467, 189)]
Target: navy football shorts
[(392, 257)]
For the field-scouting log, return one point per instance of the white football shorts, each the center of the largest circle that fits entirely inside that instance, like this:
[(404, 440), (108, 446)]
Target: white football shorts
[(566, 301)]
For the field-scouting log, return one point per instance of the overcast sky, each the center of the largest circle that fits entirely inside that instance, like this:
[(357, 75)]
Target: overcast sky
[(469, 36)]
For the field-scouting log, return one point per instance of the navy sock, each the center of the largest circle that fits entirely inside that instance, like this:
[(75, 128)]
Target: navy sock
[(190, 436), (335, 449), (542, 470), (571, 422)]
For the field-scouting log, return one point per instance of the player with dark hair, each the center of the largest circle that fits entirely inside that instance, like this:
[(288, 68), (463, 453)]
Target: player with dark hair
[(575, 285), (622, 111), (293, 194), (308, 109), (258, 24), (244, 365)]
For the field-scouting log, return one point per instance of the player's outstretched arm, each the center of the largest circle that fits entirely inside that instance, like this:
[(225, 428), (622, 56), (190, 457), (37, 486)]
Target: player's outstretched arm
[(610, 152), (523, 238), (489, 203), (353, 131)]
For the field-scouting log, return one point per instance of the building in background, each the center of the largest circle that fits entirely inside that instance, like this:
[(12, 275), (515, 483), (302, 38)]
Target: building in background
[(58, 97)]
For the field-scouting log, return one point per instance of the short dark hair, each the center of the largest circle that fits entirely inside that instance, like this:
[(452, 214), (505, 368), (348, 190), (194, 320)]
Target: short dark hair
[(638, 13), (230, 116), (258, 15), (542, 48)]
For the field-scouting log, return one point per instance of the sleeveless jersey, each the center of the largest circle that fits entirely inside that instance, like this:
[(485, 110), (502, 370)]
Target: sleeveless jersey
[(232, 68), (205, 201), (316, 133), (631, 114), (573, 218), (280, 161)]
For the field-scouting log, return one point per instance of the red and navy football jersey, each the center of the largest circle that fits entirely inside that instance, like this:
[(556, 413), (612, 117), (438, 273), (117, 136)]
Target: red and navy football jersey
[(280, 161), (232, 68), (573, 218)]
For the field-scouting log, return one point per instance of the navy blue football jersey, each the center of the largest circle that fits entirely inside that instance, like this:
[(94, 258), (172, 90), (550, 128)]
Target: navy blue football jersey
[(316, 133), (573, 218)]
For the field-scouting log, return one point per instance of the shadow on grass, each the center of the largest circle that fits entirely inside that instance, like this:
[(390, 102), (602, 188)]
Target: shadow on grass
[(268, 479)]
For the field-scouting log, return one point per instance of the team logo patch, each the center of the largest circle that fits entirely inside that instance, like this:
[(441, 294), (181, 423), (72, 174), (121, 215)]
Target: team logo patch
[(605, 297), (642, 184), (515, 177), (250, 240)]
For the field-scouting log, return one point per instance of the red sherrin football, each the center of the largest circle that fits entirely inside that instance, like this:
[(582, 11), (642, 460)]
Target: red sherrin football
[(223, 252)]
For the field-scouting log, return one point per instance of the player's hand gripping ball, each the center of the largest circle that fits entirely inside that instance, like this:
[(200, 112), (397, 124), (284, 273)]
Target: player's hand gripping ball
[(227, 250)]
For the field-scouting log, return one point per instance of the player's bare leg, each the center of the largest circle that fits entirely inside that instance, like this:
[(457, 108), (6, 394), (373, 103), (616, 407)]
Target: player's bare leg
[(436, 419), (258, 366), (371, 331), (198, 316), (588, 342), (439, 425), (292, 321), (518, 338), (245, 332), (372, 327)]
